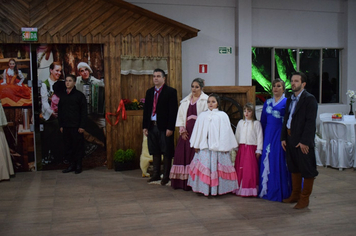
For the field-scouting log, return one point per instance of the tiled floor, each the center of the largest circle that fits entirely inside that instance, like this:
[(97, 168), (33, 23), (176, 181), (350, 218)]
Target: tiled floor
[(105, 202)]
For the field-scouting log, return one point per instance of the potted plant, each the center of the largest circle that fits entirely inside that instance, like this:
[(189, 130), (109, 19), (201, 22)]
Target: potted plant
[(124, 160)]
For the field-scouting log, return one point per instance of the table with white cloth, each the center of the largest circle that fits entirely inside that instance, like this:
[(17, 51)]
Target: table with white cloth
[(350, 132)]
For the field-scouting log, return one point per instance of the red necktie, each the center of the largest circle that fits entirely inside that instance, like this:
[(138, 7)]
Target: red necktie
[(155, 99)]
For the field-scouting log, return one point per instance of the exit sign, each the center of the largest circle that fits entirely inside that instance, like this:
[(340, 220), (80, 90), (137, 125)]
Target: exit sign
[(29, 34), (225, 50)]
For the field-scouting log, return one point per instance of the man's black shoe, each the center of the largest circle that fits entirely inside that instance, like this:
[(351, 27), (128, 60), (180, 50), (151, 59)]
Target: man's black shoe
[(69, 169), (78, 171), (164, 181), (154, 178)]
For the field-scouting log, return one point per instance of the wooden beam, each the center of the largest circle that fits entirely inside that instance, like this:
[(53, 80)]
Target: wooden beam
[(155, 16)]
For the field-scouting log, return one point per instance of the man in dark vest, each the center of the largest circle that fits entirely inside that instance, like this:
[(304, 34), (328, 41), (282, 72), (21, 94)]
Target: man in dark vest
[(159, 118), (297, 138)]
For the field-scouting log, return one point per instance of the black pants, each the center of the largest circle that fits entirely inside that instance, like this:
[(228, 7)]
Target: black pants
[(299, 162), (159, 144), (52, 141), (74, 145)]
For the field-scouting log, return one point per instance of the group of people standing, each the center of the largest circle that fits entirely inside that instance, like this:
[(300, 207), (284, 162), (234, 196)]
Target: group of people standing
[(65, 115), (273, 155)]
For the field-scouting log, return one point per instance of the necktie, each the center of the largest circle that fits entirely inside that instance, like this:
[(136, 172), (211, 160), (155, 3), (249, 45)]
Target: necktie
[(155, 99), (294, 102)]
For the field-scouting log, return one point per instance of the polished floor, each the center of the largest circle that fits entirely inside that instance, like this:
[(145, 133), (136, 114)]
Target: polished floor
[(105, 202)]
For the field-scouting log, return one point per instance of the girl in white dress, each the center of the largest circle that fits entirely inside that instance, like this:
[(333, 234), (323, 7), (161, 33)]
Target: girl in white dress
[(211, 170)]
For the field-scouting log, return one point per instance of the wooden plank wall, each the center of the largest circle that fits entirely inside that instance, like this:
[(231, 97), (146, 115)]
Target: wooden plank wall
[(135, 86), (126, 134)]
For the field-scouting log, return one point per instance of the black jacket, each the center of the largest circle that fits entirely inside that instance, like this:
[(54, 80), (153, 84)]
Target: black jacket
[(303, 124), (166, 110), (72, 110)]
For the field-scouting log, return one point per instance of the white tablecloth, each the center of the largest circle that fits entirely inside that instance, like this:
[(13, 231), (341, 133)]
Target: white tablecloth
[(349, 124), (350, 135)]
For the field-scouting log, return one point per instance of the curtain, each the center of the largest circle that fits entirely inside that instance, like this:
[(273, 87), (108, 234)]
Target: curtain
[(142, 65)]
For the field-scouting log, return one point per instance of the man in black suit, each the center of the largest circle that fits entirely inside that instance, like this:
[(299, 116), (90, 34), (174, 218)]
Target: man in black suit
[(159, 118), (298, 140)]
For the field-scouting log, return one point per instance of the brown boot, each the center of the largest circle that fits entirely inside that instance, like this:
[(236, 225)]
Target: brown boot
[(303, 202), (296, 188)]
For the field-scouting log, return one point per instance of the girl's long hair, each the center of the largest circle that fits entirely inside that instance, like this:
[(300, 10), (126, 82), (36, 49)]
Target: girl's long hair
[(249, 106)]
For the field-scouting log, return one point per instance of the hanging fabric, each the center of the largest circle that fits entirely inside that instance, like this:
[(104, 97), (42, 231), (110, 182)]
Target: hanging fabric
[(142, 65)]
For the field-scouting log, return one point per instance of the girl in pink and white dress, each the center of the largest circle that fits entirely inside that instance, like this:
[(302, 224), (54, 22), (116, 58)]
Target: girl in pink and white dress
[(249, 137), (211, 170)]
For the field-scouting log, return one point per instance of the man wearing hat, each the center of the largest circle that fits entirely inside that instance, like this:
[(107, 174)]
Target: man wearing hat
[(95, 124), (86, 77)]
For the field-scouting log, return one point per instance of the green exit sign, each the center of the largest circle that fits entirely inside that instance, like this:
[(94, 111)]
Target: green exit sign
[(225, 50), (29, 34)]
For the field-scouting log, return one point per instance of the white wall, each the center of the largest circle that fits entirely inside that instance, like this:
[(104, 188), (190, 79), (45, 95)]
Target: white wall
[(216, 22), (350, 52), (273, 23), (302, 23), (243, 42)]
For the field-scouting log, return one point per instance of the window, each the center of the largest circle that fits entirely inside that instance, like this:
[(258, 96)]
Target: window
[(320, 65)]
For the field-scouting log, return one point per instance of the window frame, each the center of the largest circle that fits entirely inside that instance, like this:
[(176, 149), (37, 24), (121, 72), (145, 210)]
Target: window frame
[(273, 66)]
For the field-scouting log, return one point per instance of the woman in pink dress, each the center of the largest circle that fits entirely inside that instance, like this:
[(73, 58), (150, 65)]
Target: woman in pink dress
[(190, 107)]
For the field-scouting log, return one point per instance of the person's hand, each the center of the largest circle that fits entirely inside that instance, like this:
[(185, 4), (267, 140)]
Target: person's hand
[(258, 155), (169, 132), (81, 130), (196, 150), (145, 132), (185, 136), (61, 129), (304, 148), (284, 145), (54, 114)]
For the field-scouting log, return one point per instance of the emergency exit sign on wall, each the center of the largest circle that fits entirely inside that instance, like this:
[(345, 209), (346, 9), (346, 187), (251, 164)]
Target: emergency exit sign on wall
[(29, 34), (225, 50)]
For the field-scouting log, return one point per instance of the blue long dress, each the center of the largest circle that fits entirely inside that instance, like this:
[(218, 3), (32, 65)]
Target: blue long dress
[(275, 179)]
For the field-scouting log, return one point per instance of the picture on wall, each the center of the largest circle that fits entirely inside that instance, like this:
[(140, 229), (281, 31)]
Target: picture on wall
[(15, 74), (86, 62)]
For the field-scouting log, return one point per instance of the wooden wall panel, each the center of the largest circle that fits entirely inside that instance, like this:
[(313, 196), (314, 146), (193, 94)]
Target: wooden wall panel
[(123, 29)]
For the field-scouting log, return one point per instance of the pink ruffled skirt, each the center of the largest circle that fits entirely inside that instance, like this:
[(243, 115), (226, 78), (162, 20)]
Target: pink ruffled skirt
[(247, 171), (212, 172)]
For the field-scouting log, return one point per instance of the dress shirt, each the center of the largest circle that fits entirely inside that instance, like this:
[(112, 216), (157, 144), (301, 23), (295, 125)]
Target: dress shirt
[(292, 106)]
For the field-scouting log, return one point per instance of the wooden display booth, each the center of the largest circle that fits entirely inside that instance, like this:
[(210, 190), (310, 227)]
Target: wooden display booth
[(125, 30)]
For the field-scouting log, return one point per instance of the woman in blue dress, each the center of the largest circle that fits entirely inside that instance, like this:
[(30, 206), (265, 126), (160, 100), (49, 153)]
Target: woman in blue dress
[(275, 179)]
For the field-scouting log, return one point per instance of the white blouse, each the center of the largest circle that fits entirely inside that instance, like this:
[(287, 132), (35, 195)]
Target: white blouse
[(11, 73), (212, 131), (250, 133)]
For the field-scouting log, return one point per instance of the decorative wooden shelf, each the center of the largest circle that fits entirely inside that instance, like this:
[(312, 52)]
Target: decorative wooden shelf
[(134, 112)]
